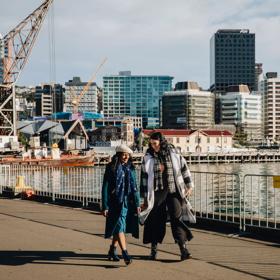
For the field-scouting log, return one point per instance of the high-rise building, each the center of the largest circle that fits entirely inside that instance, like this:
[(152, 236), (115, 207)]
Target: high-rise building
[(244, 110), (89, 100), (131, 95), (49, 99), (187, 107), (258, 72), (232, 59), (269, 88)]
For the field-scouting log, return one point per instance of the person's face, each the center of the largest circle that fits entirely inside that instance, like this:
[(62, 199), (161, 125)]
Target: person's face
[(124, 157), (155, 144)]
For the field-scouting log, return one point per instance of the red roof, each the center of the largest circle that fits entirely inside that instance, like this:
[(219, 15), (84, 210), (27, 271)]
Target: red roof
[(217, 132), (186, 132)]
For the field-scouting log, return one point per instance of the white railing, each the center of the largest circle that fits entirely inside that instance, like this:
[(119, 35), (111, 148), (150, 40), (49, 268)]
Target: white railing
[(261, 201), (250, 200), (217, 196)]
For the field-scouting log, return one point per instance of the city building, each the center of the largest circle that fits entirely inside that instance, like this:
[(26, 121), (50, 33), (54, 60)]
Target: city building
[(258, 72), (269, 88), (118, 121), (49, 99), (187, 107), (25, 104), (88, 101), (232, 59), (243, 109), (131, 95), (196, 141)]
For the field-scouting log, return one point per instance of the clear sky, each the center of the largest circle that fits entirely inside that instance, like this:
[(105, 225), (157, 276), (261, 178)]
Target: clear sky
[(148, 37)]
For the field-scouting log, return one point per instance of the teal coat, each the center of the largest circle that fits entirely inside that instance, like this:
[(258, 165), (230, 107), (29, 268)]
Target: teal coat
[(110, 203)]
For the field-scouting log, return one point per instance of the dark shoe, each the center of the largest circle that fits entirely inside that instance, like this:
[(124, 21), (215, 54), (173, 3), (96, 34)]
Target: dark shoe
[(112, 254), (153, 255), (185, 254), (126, 257)]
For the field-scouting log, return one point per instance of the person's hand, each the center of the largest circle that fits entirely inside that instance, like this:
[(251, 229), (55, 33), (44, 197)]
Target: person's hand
[(105, 213), (144, 205), (138, 210), (189, 192)]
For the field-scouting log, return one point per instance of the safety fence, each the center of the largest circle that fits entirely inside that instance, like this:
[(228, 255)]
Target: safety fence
[(250, 200)]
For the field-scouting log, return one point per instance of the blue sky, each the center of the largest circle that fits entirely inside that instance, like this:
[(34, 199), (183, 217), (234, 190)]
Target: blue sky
[(148, 37)]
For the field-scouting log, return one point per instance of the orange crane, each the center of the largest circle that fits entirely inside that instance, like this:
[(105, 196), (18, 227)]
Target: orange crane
[(18, 44), (77, 99)]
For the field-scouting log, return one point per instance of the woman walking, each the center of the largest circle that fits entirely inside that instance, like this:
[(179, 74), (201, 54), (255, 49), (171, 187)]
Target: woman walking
[(120, 202), (165, 184)]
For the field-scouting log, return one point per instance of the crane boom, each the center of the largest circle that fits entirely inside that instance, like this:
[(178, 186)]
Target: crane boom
[(19, 41), (18, 44), (76, 101)]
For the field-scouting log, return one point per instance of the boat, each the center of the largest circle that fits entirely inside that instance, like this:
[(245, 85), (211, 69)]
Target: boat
[(65, 160)]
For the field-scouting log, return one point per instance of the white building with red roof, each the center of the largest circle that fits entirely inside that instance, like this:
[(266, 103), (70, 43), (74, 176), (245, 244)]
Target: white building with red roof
[(196, 141)]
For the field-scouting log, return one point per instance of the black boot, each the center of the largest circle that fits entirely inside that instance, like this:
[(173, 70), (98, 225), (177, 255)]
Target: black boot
[(153, 255), (126, 257), (112, 254), (185, 254)]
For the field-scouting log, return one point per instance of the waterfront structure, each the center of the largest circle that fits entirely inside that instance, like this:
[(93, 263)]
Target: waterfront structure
[(68, 134), (244, 110), (118, 121), (49, 99), (269, 88), (188, 107), (196, 141), (232, 59), (89, 100), (133, 95)]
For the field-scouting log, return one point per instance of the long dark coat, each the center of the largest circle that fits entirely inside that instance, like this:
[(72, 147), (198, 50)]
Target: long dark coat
[(110, 203)]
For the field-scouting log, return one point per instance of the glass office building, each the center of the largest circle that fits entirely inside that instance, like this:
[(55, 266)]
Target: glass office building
[(129, 95), (232, 59)]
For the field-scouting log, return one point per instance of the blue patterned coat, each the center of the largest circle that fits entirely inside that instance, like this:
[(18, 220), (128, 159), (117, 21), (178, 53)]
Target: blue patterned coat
[(110, 203)]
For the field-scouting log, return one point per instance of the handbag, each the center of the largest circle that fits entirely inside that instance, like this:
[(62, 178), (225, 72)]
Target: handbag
[(188, 214)]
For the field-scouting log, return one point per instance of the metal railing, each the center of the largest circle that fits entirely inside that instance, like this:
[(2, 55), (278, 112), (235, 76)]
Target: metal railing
[(261, 202), (4, 176), (217, 196), (245, 201)]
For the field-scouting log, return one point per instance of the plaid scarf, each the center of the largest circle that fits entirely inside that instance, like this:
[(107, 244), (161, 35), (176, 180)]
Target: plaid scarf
[(166, 175)]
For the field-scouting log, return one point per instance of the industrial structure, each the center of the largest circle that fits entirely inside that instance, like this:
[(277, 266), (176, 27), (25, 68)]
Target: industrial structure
[(15, 49)]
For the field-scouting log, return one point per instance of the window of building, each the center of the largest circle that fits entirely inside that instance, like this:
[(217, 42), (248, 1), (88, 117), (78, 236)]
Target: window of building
[(208, 139), (217, 139), (178, 140)]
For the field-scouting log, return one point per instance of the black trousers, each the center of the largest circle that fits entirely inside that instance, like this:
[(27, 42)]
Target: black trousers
[(155, 225)]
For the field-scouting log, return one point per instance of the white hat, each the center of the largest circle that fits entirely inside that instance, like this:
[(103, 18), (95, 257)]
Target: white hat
[(123, 149)]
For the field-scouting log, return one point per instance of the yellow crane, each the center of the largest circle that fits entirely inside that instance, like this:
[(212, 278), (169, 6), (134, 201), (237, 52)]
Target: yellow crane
[(77, 99)]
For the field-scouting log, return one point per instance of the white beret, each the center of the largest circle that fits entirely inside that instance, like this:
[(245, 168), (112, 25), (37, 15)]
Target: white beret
[(123, 149)]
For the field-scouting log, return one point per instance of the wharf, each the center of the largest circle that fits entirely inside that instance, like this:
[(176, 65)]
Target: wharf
[(43, 241), (196, 158)]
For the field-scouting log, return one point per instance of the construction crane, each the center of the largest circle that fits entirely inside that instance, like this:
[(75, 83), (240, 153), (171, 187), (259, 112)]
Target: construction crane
[(77, 99), (17, 45)]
